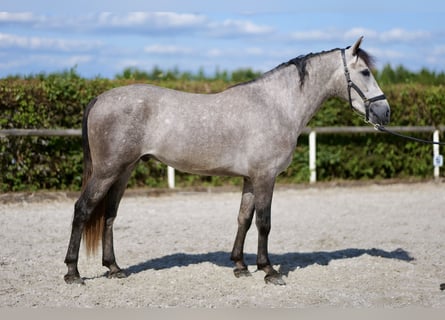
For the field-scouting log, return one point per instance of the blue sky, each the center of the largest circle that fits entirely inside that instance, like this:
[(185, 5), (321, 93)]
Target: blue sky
[(101, 38)]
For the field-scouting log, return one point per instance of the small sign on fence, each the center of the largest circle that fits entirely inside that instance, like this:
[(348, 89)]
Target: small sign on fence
[(438, 160)]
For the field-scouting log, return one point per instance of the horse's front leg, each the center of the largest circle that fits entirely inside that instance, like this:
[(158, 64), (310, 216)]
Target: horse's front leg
[(263, 202), (245, 216)]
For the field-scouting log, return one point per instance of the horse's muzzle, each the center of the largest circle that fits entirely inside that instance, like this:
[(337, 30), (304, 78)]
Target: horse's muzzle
[(379, 113)]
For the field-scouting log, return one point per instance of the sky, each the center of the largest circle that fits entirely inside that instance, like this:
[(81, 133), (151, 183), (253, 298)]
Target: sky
[(101, 38)]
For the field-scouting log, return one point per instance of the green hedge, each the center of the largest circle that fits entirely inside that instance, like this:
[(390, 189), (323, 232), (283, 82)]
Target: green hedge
[(58, 100)]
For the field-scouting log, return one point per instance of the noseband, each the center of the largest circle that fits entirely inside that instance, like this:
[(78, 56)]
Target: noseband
[(352, 85)]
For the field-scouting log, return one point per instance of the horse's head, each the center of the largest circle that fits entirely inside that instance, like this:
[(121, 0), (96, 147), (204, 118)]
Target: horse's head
[(363, 92)]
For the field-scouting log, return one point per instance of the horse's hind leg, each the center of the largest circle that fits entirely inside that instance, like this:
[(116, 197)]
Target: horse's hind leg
[(113, 199), (245, 216), (94, 192)]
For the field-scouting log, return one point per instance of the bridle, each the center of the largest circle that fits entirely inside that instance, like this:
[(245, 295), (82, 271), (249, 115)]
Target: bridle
[(352, 85)]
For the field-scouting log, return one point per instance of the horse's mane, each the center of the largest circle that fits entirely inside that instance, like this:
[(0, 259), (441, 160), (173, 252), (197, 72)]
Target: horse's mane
[(301, 62)]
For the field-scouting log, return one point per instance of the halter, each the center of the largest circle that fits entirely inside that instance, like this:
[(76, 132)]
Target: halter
[(352, 85)]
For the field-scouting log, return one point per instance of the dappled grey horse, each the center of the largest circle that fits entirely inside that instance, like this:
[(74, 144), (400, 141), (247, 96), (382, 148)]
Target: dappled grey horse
[(249, 130)]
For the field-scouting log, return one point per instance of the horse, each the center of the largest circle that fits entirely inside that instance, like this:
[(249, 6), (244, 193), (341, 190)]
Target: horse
[(248, 130)]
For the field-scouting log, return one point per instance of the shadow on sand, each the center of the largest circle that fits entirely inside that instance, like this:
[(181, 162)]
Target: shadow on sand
[(288, 261)]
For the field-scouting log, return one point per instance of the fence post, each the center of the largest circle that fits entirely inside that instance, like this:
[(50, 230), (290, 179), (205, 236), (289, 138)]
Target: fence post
[(312, 156), (437, 158), (171, 177)]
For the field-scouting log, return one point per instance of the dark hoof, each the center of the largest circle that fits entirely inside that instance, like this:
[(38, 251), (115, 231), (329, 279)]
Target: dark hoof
[(241, 273), (442, 286), (73, 279), (275, 279), (117, 275)]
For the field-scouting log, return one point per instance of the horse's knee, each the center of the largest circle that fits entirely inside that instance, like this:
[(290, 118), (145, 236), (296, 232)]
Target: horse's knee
[(245, 221)]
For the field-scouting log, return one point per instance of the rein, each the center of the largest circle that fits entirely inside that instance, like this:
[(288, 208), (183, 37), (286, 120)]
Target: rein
[(367, 102), (397, 134)]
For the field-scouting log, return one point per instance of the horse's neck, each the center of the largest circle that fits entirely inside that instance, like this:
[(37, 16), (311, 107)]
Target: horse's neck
[(322, 80), (320, 83), (301, 100)]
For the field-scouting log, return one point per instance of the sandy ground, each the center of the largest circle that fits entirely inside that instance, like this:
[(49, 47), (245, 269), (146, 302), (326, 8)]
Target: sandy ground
[(361, 246)]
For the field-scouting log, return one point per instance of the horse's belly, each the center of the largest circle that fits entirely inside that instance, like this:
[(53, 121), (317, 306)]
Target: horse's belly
[(203, 164)]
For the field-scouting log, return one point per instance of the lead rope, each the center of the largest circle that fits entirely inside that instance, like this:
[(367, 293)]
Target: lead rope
[(397, 134)]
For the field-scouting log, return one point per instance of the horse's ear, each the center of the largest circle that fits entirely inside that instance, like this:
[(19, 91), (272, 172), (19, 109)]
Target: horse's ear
[(356, 46)]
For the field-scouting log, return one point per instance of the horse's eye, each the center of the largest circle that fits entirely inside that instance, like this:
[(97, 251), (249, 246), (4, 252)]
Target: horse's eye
[(365, 72)]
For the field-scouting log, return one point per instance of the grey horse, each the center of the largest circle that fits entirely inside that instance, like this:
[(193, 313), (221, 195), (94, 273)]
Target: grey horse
[(249, 130)]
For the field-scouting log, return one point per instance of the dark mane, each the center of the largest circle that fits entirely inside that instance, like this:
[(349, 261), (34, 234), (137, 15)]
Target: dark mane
[(367, 58), (301, 62)]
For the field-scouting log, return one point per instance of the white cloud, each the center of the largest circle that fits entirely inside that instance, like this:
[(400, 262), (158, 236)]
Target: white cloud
[(167, 49), (18, 17), (333, 34), (392, 35), (246, 27), (141, 22), (126, 22), (39, 43), (157, 20), (230, 28), (399, 34), (147, 23)]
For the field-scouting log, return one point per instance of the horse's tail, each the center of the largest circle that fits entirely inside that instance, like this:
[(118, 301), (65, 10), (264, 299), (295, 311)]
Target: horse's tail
[(92, 233)]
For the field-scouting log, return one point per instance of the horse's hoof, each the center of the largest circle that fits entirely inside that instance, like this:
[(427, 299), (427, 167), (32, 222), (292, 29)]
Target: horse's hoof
[(117, 275), (73, 279), (241, 273), (275, 279)]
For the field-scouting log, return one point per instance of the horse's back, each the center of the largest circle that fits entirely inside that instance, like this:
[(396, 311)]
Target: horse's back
[(192, 132)]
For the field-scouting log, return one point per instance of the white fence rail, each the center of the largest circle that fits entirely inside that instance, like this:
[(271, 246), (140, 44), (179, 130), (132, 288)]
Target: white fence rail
[(312, 132), (437, 158)]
